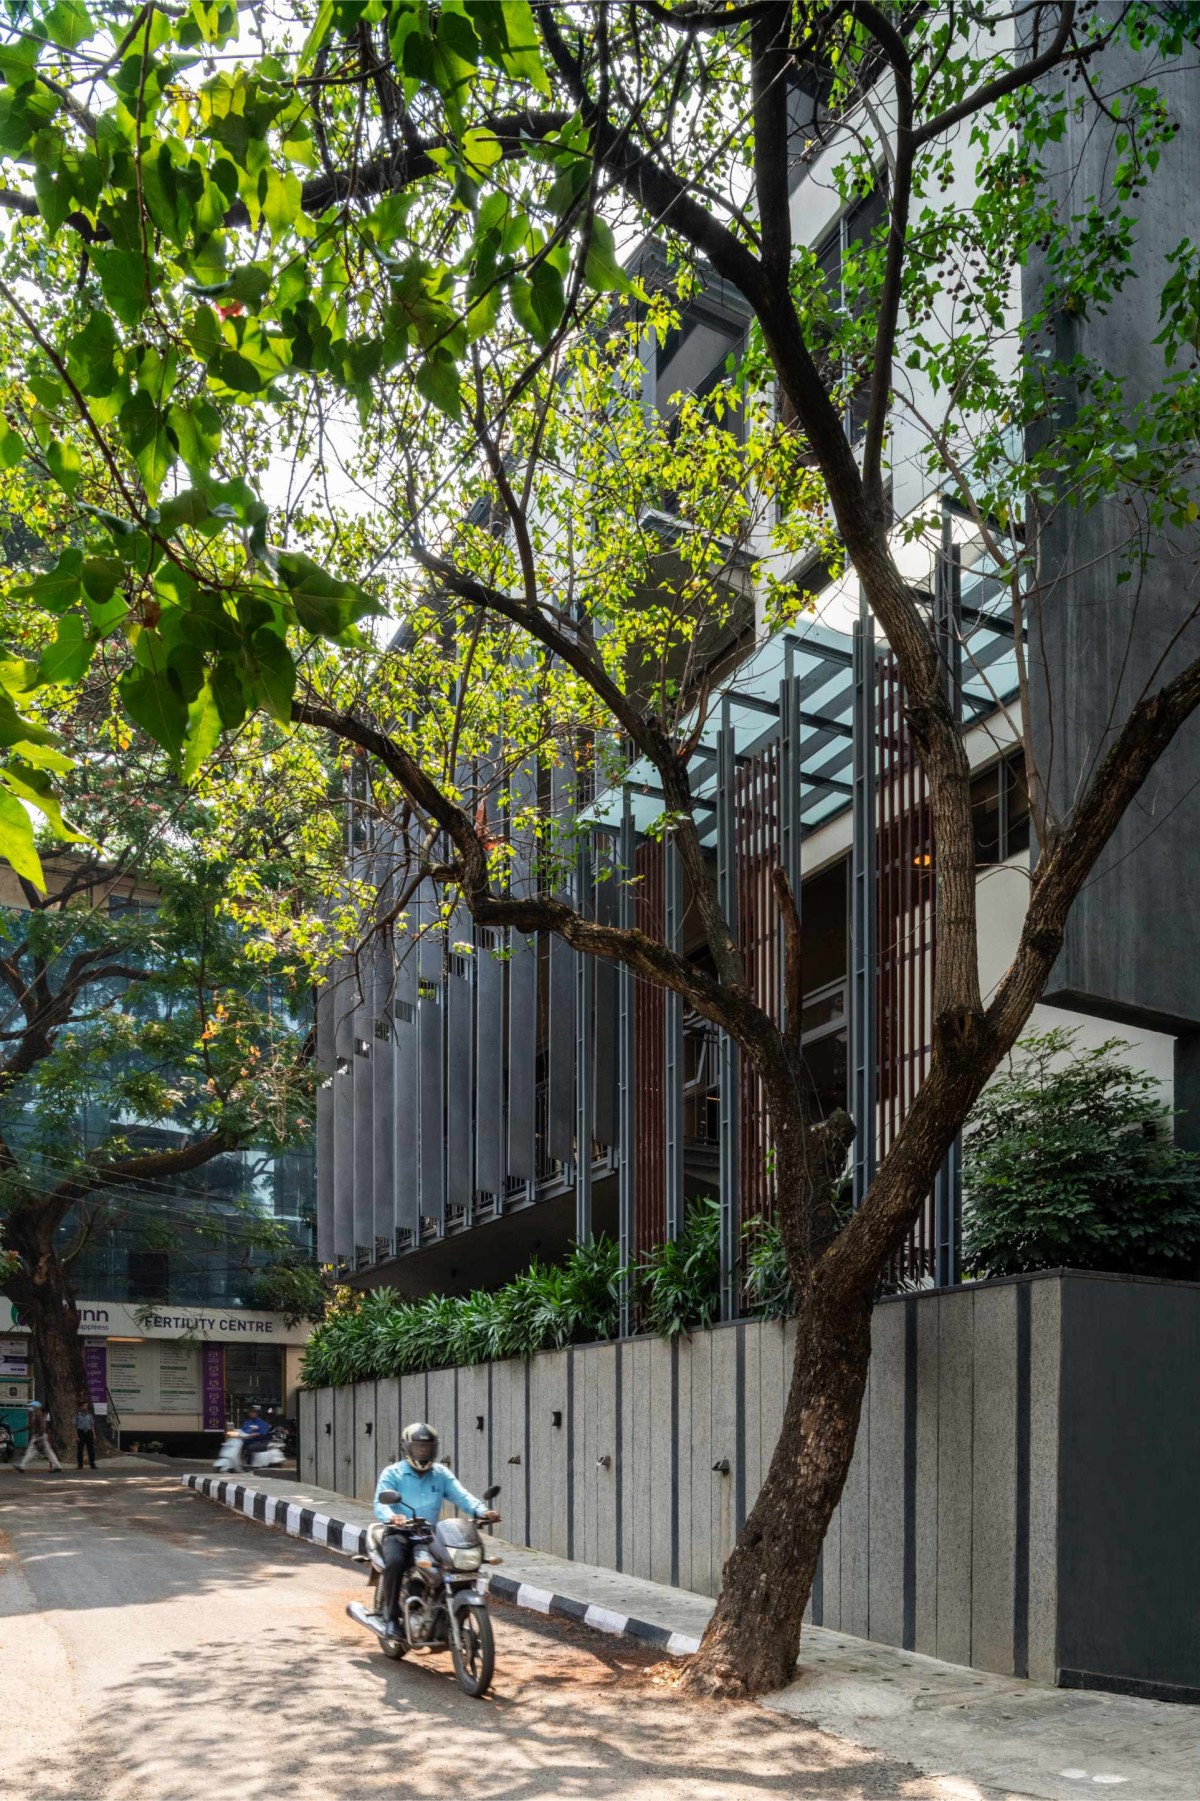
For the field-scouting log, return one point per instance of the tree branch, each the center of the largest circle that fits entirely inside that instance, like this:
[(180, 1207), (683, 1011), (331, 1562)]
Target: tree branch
[(1007, 83)]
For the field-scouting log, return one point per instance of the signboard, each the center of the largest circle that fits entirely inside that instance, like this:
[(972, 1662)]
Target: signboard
[(95, 1368), (133, 1377), (212, 1386), (223, 1325), (156, 1376), (14, 1360), (178, 1378)]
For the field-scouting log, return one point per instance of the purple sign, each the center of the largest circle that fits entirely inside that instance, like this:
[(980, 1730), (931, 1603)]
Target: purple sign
[(212, 1386), (95, 1368)]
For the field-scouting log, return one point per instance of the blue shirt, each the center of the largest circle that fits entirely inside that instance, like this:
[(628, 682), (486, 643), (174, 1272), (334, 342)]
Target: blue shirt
[(257, 1428), (423, 1491)]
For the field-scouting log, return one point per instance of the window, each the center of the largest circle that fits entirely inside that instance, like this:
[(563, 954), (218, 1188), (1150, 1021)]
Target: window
[(148, 1275), (852, 233), (1000, 811)]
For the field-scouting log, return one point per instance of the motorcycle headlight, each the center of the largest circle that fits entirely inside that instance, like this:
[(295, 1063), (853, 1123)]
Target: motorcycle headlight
[(466, 1557)]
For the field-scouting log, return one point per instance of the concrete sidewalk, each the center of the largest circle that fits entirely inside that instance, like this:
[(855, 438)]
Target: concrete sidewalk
[(977, 1732)]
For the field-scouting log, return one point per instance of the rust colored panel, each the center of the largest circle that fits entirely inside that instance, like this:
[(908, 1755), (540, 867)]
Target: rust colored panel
[(649, 1093)]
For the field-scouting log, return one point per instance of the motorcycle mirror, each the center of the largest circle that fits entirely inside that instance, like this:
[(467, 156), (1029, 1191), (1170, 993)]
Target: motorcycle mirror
[(489, 1494), (388, 1496)]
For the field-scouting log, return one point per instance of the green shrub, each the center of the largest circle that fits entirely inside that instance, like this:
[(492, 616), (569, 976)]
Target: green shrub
[(677, 1286), (1070, 1164), (673, 1289), (768, 1284)]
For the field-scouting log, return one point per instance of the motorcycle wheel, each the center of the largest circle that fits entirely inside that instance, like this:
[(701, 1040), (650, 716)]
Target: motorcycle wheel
[(475, 1661)]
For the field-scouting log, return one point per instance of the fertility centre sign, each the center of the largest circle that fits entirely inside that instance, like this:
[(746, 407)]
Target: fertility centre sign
[(220, 1325)]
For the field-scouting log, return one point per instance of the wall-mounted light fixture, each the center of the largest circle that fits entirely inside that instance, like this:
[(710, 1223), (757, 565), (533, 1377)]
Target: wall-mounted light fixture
[(328, 1427), (516, 1458), (556, 1418), (721, 1466), (604, 1463), (479, 1422), (370, 1427)]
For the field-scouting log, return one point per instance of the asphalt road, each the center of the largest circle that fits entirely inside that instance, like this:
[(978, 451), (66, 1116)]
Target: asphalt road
[(154, 1647)]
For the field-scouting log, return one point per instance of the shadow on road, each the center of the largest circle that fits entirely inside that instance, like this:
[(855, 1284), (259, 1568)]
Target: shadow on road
[(238, 1674)]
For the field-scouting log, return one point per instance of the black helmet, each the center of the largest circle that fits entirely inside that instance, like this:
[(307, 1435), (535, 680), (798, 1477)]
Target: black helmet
[(420, 1445)]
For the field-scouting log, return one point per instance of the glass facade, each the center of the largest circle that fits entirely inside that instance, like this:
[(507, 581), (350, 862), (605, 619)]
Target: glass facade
[(186, 1242)]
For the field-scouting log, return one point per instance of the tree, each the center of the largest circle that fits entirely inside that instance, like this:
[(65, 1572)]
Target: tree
[(395, 244), (145, 1034)]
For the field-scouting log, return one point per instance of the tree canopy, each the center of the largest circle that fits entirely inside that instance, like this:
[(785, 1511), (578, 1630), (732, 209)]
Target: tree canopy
[(328, 333)]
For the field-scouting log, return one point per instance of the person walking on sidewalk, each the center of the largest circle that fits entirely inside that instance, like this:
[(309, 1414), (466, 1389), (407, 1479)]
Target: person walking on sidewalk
[(85, 1433), (39, 1437)]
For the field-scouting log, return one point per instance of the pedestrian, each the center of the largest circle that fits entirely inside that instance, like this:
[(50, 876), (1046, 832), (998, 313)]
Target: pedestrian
[(39, 1437), (85, 1433)]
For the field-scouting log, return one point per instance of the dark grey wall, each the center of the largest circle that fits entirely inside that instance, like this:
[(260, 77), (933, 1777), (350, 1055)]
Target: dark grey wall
[(946, 1537), (1129, 1484), (1094, 643)]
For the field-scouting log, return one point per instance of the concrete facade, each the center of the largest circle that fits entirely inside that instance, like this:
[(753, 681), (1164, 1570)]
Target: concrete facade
[(1100, 638), (1008, 1507)]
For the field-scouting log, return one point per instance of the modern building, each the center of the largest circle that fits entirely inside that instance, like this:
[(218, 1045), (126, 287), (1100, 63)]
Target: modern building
[(488, 1105)]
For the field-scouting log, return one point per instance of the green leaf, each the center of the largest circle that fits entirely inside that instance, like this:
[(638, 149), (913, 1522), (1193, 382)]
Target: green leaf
[(153, 701), (101, 577), (538, 301), (65, 464), (195, 428), (34, 785), (67, 658), (203, 331), (189, 507), (12, 446), (203, 733), (16, 729), (228, 693), (250, 284), (238, 373), (281, 203), (276, 673), (455, 57), (144, 429), (16, 840), (125, 280), (602, 271), (92, 356), (510, 39), (324, 605), (68, 23), (60, 587), (437, 379), (319, 32)]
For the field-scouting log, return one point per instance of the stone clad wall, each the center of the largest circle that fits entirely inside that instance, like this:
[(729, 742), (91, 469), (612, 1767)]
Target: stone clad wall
[(950, 1535)]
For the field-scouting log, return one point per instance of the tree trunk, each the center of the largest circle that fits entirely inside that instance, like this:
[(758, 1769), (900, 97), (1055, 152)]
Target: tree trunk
[(754, 1636), (40, 1288)]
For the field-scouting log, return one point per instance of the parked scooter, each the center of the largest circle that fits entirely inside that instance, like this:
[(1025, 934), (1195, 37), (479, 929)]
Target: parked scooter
[(263, 1456), (8, 1443), (441, 1600)]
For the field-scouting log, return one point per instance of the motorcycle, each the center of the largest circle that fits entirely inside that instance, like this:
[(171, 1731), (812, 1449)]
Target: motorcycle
[(441, 1602), (229, 1458), (8, 1443)]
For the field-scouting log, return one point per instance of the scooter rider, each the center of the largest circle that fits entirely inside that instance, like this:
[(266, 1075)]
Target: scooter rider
[(423, 1484), (256, 1432)]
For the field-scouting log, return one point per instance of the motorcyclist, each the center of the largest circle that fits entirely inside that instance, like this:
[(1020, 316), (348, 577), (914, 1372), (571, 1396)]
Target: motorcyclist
[(255, 1431), (423, 1485)]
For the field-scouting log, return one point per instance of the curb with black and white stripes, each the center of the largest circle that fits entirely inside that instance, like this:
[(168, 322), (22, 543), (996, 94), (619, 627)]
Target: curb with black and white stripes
[(351, 1541)]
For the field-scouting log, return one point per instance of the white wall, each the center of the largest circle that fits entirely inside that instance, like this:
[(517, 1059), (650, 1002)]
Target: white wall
[(1003, 892)]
